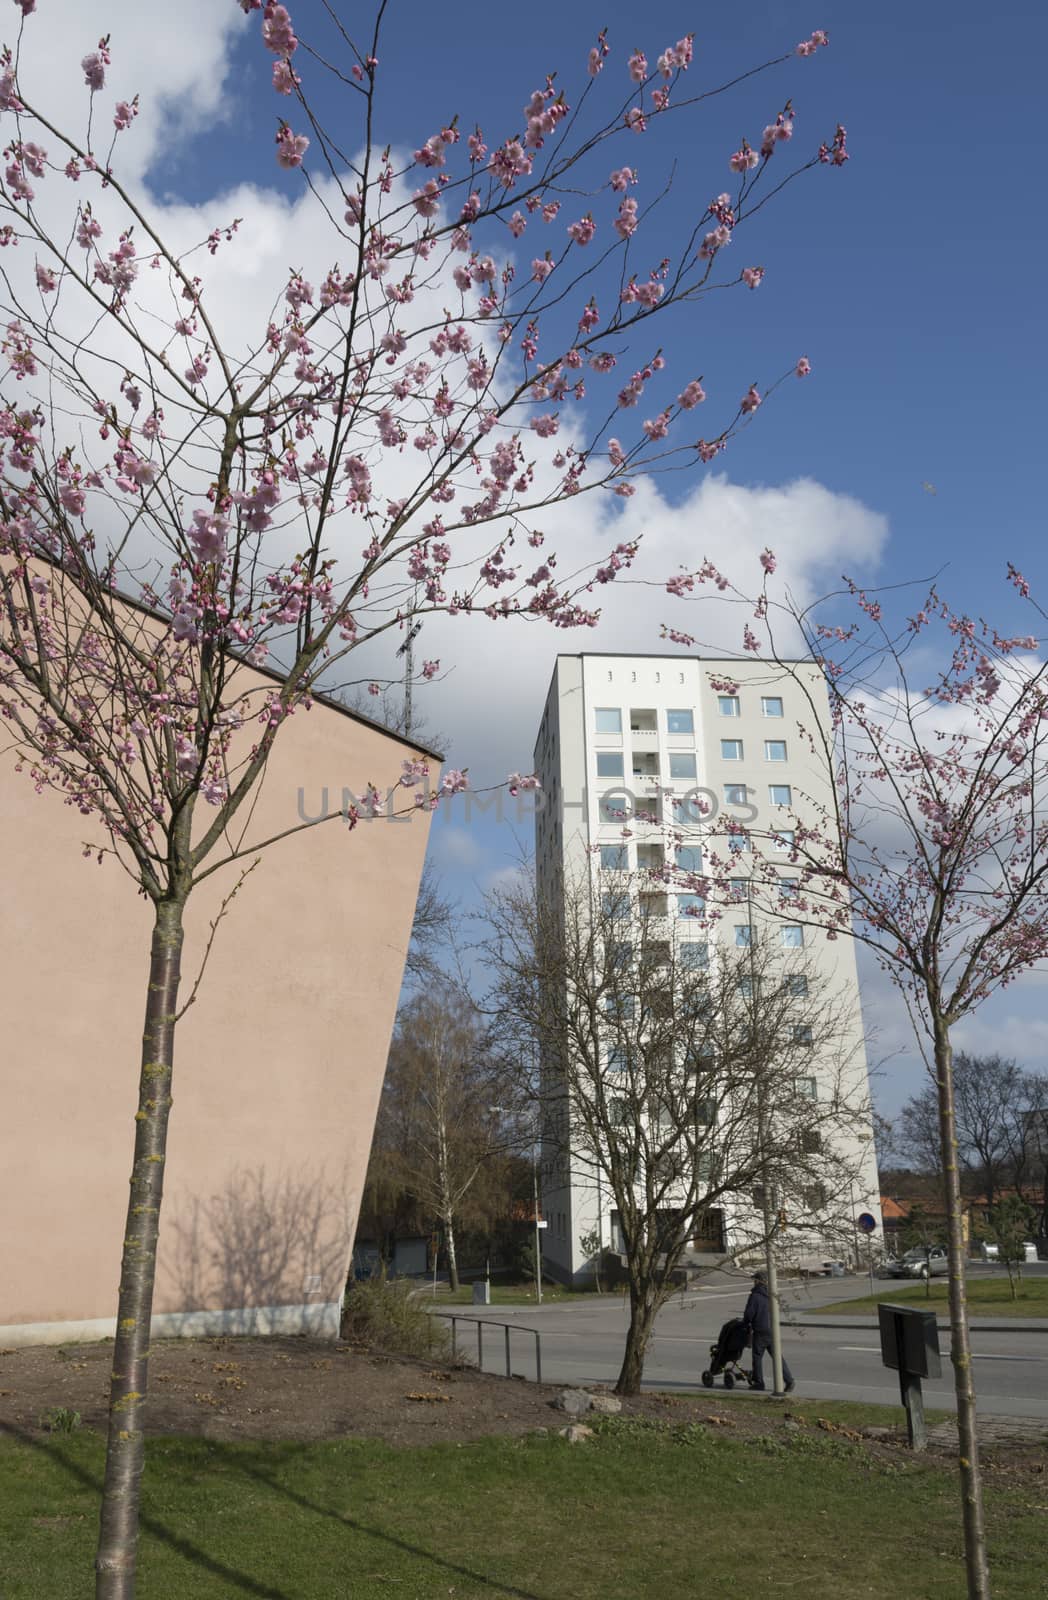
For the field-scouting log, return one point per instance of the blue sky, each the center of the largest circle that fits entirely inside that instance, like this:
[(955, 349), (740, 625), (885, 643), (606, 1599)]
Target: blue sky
[(912, 279)]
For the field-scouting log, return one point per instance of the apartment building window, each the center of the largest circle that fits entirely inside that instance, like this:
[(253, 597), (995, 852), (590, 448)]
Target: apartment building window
[(731, 749), (792, 935), (614, 857), (742, 935), (784, 838), (609, 764), (620, 955), (734, 794), (796, 984), (771, 705), (739, 842), (694, 957), (780, 794), (680, 722), (728, 705), (738, 888), (607, 719), (802, 1033), (689, 858), (619, 1007), (789, 888), (616, 905), (775, 749), (805, 1088), (691, 905), (682, 764), (618, 1059), (617, 1113), (745, 987)]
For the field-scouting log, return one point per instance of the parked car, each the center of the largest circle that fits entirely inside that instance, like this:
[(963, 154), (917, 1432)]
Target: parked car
[(917, 1263), (816, 1267)]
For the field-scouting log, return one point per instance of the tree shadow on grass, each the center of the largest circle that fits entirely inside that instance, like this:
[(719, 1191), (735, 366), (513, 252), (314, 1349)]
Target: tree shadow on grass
[(494, 1584), (239, 1581), (242, 1581)]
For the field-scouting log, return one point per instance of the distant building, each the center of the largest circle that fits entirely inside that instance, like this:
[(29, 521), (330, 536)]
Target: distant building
[(635, 737), (278, 1063)]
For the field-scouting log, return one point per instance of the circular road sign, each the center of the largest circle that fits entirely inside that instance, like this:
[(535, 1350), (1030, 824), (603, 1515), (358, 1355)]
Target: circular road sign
[(867, 1223)]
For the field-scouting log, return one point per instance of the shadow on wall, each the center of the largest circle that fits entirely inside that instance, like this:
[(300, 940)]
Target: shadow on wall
[(258, 1242)]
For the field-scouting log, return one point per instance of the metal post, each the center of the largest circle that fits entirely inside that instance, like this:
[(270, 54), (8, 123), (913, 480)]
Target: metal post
[(538, 1355), (769, 1197), (454, 1337), (480, 1345), (508, 1374), (911, 1395), (538, 1230)]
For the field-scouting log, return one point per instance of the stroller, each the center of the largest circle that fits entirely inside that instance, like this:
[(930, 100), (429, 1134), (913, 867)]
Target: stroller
[(732, 1340)]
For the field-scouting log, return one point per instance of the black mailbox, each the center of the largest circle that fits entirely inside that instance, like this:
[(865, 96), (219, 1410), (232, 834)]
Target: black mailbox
[(910, 1341)]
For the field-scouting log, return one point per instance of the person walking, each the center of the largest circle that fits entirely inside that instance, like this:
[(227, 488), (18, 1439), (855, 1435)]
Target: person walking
[(757, 1321)]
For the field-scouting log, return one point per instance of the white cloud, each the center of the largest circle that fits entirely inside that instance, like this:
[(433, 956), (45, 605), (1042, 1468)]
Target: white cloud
[(491, 703)]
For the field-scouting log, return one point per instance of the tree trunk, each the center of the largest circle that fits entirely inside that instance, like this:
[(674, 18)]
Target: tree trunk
[(644, 1305), (125, 1448), (453, 1271), (960, 1346)]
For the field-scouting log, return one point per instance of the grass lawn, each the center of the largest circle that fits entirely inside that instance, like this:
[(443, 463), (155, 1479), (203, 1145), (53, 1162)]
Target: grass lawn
[(986, 1297), (508, 1294), (642, 1509)]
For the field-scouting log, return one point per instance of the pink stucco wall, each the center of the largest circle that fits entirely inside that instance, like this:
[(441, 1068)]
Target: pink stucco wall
[(278, 1064)]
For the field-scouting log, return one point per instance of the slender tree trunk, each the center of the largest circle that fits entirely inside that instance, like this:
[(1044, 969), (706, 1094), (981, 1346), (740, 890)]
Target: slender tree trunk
[(125, 1448), (644, 1305), (449, 1234), (960, 1346)]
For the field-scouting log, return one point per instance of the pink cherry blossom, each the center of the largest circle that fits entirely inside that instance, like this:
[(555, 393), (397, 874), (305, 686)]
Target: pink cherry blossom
[(278, 34), (94, 67), (768, 560), (803, 367), (635, 120), (625, 223), (751, 276), (744, 159), (693, 394), (46, 281), (638, 65), (583, 230), (291, 147), (750, 400)]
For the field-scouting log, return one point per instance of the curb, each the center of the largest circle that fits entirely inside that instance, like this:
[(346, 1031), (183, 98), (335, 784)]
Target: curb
[(978, 1325)]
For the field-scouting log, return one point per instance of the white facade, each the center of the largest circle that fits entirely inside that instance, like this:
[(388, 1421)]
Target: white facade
[(630, 746)]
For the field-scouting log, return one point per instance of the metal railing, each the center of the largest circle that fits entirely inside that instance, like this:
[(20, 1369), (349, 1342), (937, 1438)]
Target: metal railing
[(483, 1322)]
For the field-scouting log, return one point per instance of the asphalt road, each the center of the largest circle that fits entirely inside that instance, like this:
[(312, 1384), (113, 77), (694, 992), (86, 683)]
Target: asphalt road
[(582, 1343)]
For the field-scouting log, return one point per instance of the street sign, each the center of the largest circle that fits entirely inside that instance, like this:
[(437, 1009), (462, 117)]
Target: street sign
[(867, 1223), (542, 1224)]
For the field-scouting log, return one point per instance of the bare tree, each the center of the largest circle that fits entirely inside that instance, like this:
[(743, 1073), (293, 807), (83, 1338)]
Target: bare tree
[(437, 1125), (686, 1081), (993, 1096)]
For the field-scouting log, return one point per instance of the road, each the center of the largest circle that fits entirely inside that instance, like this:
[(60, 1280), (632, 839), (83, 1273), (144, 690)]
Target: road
[(582, 1344)]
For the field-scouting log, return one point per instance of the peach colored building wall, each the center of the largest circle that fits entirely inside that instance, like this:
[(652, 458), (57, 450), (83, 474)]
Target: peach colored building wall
[(278, 1064)]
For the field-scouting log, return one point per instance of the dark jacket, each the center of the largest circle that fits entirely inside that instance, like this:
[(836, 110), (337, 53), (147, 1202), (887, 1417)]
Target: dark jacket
[(757, 1315)]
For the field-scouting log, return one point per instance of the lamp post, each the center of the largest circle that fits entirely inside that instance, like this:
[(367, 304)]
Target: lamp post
[(769, 1198)]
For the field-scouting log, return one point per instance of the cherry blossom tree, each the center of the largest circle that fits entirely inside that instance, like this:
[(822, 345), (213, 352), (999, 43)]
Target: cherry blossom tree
[(200, 526), (925, 836)]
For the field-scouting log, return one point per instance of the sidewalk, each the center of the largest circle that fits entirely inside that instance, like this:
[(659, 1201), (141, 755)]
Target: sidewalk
[(802, 1319)]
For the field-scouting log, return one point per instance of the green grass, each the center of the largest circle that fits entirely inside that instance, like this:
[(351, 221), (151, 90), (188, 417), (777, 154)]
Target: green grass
[(641, 1510), (990, 1296), (511, 1294)]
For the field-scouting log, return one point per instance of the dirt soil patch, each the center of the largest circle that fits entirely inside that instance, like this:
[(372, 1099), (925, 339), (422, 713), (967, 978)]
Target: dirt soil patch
[(300, 1388)]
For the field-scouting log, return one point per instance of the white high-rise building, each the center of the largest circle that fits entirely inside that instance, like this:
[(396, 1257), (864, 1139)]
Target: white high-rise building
[(633, 747)]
